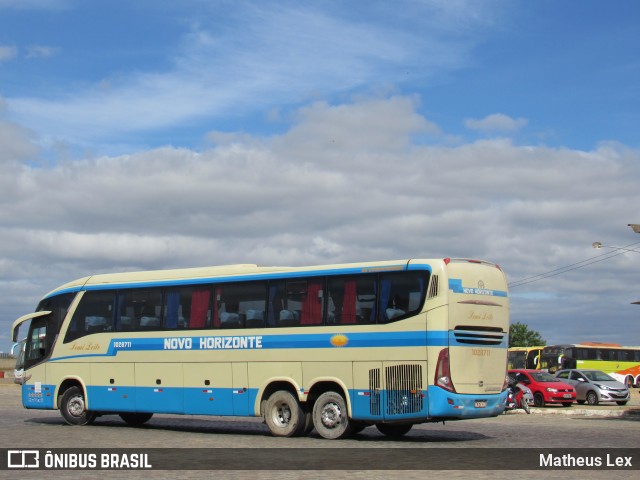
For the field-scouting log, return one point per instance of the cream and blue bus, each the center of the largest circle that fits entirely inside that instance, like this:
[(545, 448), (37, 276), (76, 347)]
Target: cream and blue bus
[(336, 348)]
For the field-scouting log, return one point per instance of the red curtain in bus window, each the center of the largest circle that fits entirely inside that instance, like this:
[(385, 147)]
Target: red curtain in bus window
[(199, 308), (312, 305), (216, 307), (349, 305)]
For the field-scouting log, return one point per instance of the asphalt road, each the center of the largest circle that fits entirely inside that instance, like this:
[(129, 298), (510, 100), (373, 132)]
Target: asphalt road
[(553, 427)]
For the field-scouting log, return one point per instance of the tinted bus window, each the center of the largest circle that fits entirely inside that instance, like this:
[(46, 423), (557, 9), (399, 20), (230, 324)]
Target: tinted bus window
[(139, 310), (401, 295), (58, 306), (239, 305), (37, 347), (296, 302), (187, 307), (94, 314), (351, 300)]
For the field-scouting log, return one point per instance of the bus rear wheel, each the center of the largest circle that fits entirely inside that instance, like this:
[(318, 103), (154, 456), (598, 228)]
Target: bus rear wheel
[(73, 407), (284, 415), (136, 419), (330, 416)]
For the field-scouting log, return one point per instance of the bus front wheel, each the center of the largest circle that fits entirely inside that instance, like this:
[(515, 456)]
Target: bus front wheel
[(330, 416), (284, 416), (73, 407)]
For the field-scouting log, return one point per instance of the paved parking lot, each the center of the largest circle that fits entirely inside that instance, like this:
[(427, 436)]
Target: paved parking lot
[(554, 427)]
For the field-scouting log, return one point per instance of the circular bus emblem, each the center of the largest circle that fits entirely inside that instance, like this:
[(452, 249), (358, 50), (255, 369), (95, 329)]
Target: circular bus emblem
[(339, 340)]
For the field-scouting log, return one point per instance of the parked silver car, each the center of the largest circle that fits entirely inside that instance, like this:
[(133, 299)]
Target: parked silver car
[(594, 386)]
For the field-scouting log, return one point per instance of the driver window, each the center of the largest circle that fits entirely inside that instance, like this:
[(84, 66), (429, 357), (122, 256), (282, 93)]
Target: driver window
[(578, 377)]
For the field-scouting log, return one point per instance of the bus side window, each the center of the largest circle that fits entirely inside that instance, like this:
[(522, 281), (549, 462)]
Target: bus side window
[(139, 310), (295, 302), (187, 307), (94, 314), (240, 305), (401, 295), (352, 300)]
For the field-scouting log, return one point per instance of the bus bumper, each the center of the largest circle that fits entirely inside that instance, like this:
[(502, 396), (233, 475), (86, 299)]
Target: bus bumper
[(38, 396), (448, 405)]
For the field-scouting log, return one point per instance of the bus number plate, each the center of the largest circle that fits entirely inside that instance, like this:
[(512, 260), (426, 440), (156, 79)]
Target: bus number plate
[(480, 403)]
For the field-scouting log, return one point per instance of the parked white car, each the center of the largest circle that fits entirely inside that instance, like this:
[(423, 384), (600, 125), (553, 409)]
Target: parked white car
[(594, 386)]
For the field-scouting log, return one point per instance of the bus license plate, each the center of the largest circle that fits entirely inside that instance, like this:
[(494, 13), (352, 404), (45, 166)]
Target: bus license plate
[(480, 403)]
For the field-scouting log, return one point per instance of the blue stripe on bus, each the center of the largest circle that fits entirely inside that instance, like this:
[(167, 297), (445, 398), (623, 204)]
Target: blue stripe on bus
[(418, 338), (245, 278), (455, 285), (268, 342), (435, 402)]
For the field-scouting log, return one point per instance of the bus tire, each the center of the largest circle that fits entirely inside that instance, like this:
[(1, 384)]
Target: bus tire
[(629, 382), (73, 407), (330, 416), (394, 430), (135, 419), (284, 416)]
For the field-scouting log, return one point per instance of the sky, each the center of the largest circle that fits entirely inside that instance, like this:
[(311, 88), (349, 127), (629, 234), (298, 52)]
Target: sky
[(153, 135)]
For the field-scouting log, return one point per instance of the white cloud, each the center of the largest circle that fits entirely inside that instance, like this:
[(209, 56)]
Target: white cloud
[(17, 144), (41, 51), (344, 183), (8, 52), (284, 56), (496, 122)]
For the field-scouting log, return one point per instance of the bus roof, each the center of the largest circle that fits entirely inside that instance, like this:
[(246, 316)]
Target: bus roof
[(238, 271), (243, 272)]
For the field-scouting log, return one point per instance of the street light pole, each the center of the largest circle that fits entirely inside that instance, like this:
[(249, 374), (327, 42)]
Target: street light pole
[(598, 245), (636, 228)]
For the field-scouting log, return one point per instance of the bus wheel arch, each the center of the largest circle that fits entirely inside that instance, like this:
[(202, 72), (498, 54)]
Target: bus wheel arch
[(284, 415), (282, 411), (72, 402), (629, 381), (272, 387)]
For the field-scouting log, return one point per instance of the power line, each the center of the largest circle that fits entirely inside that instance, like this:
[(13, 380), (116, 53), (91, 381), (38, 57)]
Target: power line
[(573, 266)]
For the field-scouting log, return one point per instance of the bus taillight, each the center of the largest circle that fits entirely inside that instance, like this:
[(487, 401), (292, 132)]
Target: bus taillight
[(443, 371)]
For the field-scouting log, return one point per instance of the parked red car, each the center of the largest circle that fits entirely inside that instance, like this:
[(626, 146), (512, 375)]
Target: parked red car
[(545, 387)]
